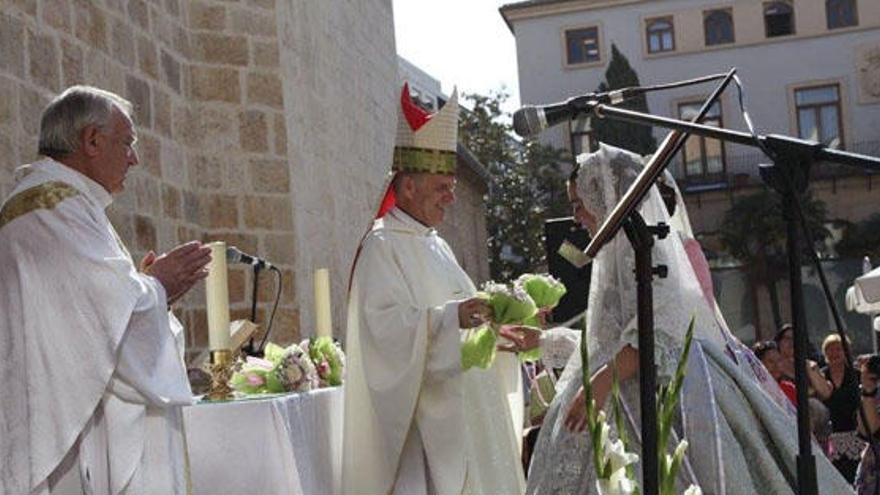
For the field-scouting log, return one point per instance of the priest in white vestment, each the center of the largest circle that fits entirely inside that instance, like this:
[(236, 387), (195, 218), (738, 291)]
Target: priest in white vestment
[(415, 423), (92, 360)]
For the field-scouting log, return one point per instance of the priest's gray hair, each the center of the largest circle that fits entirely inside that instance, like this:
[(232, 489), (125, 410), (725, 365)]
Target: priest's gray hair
[(71, 111)]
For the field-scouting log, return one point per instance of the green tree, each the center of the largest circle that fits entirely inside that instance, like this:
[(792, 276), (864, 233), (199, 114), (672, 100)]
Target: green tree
[(754, 231), (528, 186), (636, 138), (861, 239)]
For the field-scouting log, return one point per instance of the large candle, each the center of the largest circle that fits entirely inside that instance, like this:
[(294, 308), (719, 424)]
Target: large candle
[(323, 323), (217, 292)]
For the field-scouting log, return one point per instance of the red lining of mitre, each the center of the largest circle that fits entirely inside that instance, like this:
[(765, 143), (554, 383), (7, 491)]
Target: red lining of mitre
[(415, 115), (388, 201)]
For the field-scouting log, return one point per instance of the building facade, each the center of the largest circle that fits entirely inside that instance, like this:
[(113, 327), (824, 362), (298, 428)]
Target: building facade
[(810, 69)]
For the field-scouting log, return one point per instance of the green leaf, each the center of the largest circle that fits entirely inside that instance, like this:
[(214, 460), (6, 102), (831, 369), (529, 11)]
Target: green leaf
[(668, 397)]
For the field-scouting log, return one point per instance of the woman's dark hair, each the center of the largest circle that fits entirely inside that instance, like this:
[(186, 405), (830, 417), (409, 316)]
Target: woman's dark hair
[(781, 332), (763, 347), (873, 364), (667, 192)]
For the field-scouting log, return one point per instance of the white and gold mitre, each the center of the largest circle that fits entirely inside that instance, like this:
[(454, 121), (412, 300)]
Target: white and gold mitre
[(426, 142)]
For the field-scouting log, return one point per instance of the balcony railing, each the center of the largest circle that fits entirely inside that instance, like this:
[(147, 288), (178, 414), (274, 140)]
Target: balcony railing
[(741, 170)]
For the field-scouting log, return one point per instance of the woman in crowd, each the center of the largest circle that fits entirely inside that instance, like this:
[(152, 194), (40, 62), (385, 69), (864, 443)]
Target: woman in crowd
[(768, 353), (819, 389), (844, 445)]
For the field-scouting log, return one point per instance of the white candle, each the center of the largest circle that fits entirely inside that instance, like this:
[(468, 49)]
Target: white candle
[(323, 322), (217, 292)]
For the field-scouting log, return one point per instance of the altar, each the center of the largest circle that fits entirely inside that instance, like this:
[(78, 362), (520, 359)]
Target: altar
[(285, 444)]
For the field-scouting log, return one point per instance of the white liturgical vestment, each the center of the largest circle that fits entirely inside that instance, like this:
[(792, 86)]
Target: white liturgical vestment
[(415, 423), (90, 359)]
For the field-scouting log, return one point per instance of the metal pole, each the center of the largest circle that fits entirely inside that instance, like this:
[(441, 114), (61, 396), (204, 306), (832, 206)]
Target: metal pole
[(806, 463), (641, 238)]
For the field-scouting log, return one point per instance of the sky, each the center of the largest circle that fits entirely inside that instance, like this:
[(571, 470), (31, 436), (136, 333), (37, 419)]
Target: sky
[(459, 42)]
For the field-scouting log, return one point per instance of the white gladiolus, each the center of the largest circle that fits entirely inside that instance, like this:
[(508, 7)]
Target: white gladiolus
[(617, 484), (693, 490), (614, 454), (619, 458)]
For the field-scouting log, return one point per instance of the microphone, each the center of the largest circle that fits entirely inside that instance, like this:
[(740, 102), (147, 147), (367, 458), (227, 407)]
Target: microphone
[(530, 120), (234, 255)]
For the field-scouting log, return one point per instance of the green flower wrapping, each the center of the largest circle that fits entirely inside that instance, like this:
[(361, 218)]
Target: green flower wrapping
[(252, 376), (273, 353), (328, 359), (544, 289), (510, 305), (478, 348)]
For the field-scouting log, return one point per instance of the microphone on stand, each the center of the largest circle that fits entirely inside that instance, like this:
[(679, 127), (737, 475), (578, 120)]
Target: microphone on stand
[(530, 120), (235, 255)]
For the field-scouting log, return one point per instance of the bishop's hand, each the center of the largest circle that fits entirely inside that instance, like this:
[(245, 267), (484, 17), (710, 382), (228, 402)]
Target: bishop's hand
[(473, 312)]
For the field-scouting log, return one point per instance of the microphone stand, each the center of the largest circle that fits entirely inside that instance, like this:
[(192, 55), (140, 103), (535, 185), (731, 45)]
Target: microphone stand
[(250, 350), (788, 176)]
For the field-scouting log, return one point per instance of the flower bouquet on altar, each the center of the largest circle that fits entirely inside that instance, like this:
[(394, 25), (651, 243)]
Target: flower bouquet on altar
[(282, 369), (309, 365), (329, 360)]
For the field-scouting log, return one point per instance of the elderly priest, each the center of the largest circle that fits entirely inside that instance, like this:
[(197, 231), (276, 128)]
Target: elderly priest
[(91, 366)]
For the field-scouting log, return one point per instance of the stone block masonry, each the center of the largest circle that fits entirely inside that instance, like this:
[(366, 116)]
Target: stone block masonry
[(212, 114)]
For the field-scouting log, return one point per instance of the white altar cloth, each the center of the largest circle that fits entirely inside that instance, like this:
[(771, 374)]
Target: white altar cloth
[(289, 444)]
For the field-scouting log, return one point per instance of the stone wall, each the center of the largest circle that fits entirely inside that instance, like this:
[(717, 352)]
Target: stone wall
[(340, 83), (244, 131)]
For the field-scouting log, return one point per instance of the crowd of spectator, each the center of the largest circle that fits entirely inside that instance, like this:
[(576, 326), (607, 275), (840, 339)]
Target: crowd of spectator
[(843, 401)]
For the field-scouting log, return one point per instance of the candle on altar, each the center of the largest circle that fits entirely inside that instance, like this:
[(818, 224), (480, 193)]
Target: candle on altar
[(217, 294), (323, 322)]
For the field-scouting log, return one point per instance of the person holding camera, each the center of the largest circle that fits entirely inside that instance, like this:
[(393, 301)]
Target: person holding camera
[(868, 473)]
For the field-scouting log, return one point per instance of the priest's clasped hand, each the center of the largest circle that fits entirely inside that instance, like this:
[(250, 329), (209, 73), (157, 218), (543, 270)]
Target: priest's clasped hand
[(473, 312), (179, 269)]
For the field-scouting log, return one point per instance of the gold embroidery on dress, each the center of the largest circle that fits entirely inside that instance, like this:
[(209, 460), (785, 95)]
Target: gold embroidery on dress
[(44, 196)]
